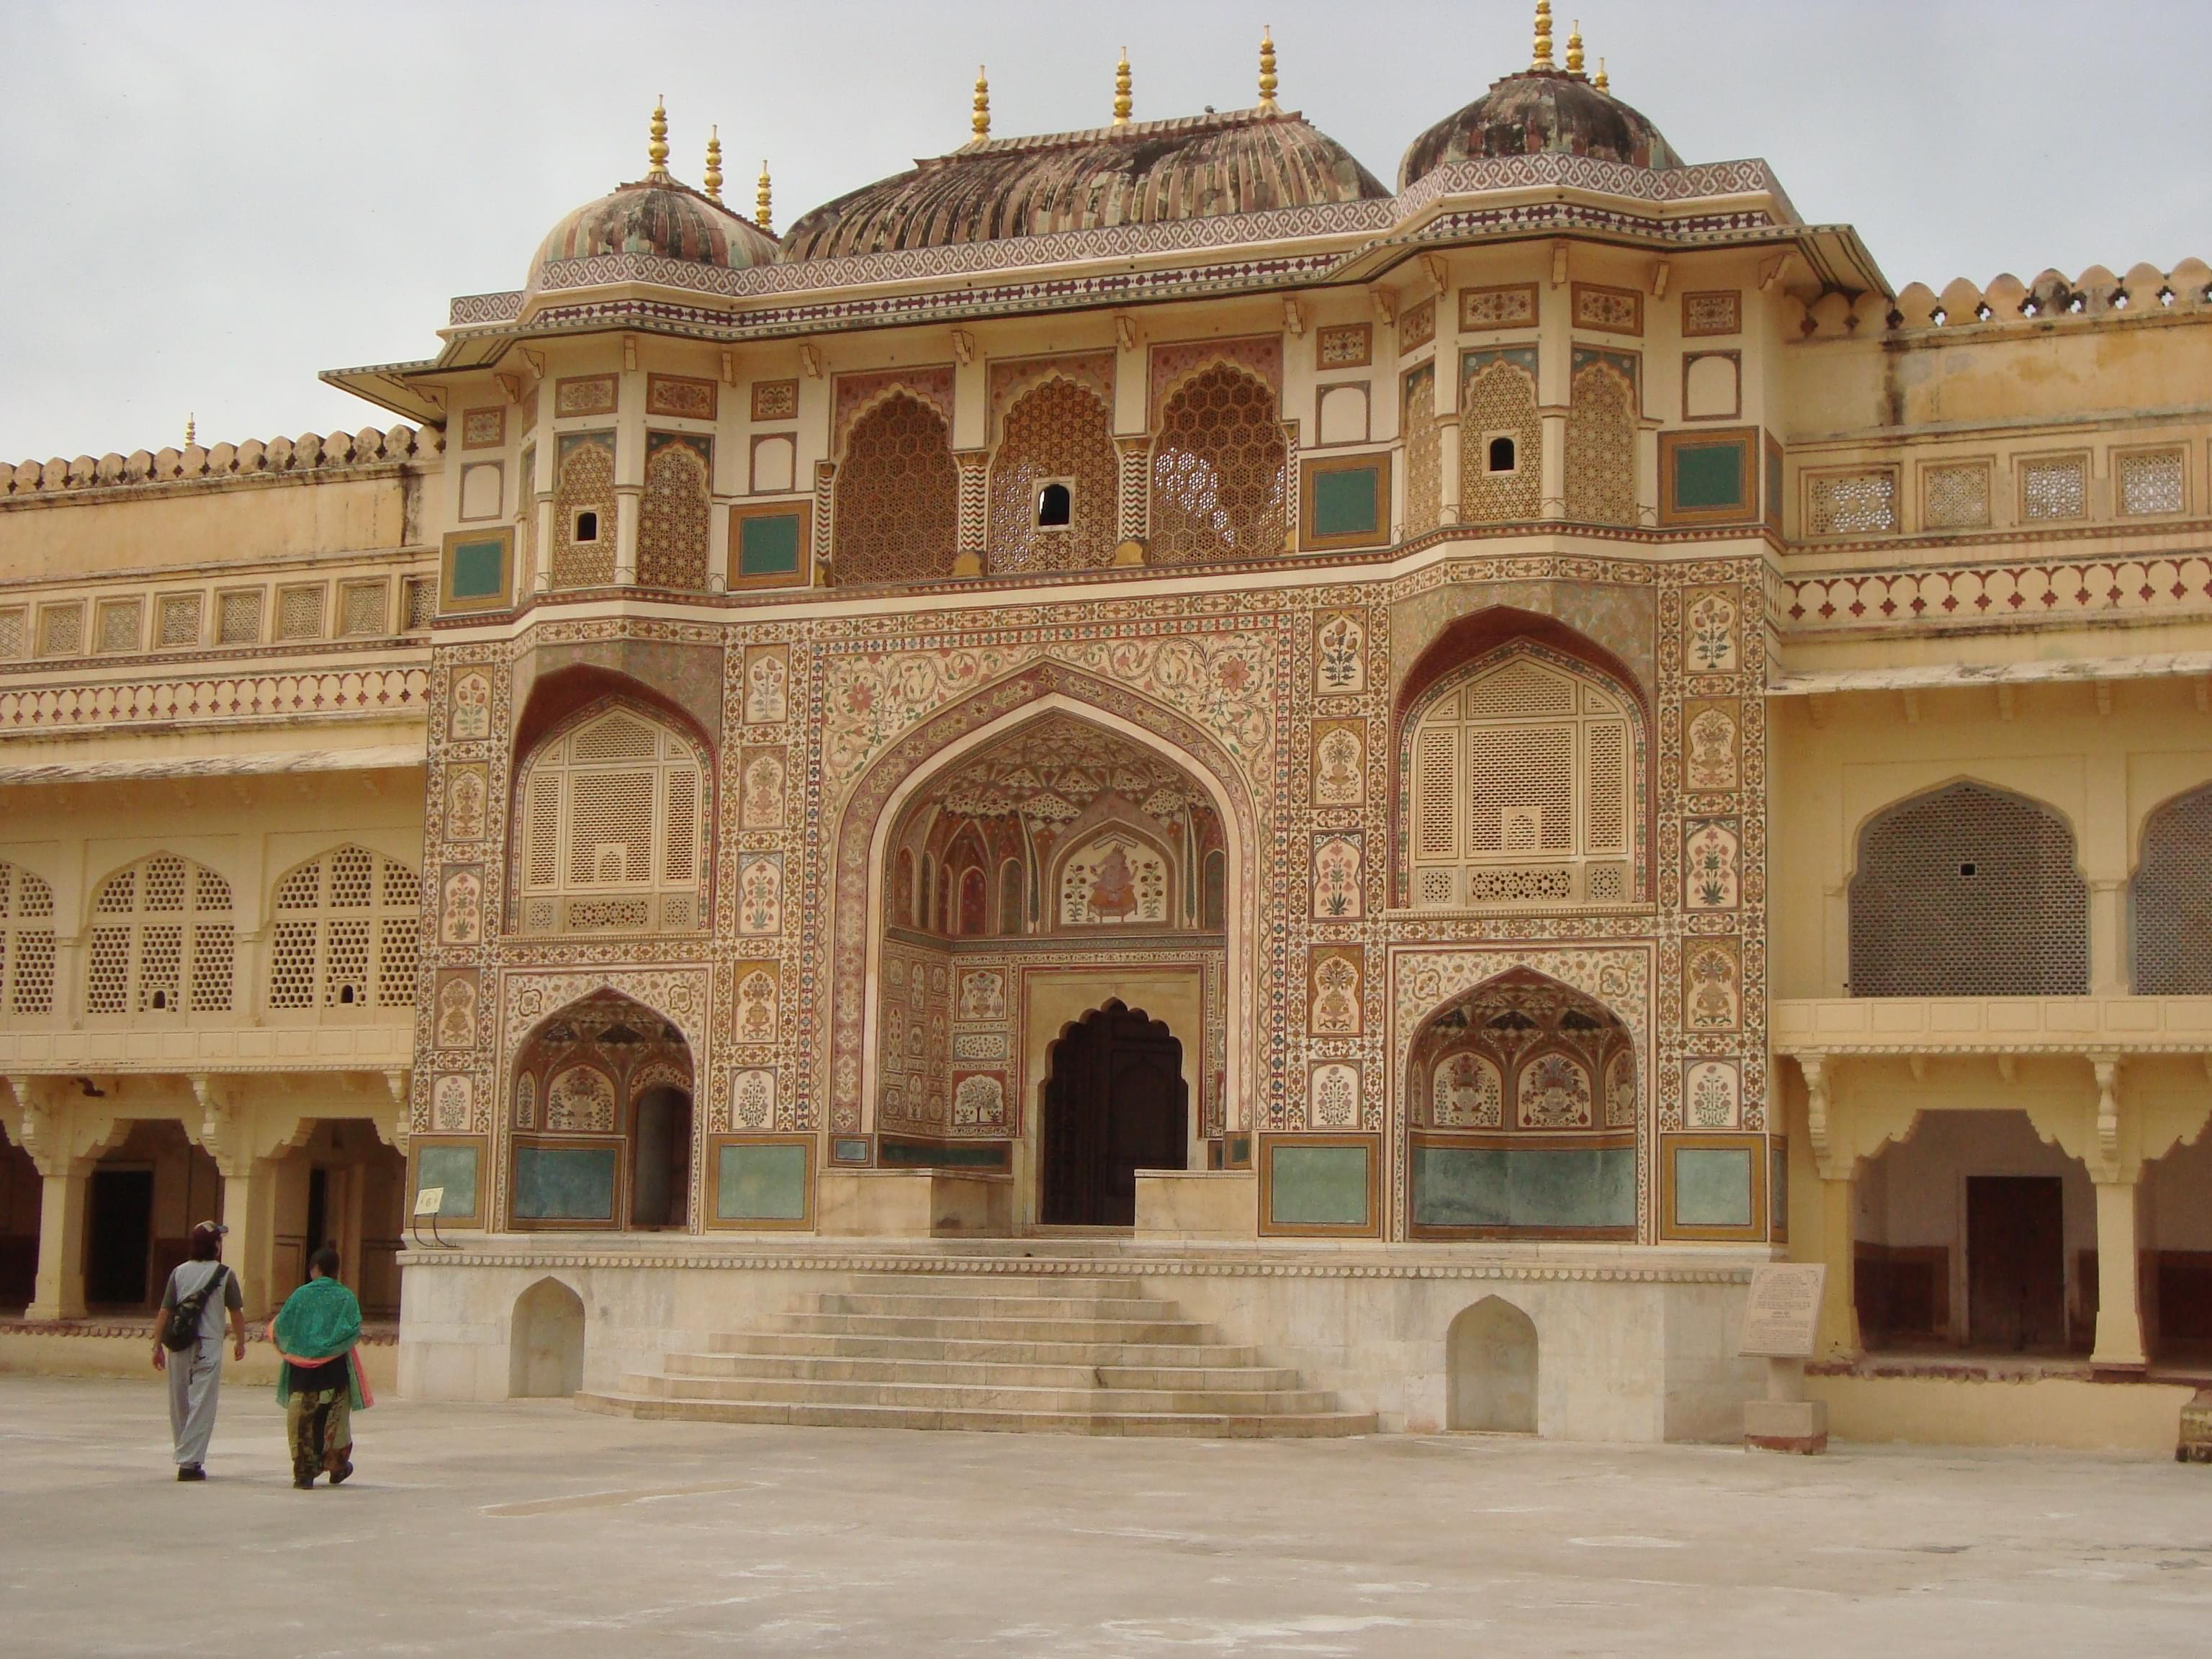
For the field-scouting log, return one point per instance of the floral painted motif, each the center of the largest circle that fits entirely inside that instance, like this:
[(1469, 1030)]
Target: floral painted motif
[(457, 1012), (1336, 879), (1710, 761), (1712, 999), (1334, 1096), (450, 1105), (461, 907), (752, 1099), (760, 894), (580, 1101), (1339, 771), (1552, 1092), (766, 676), (1712, 642), (467, 792), (983, 995), (1340, 655), (1465, 1093), (1711, 1090), (1335, 1009), (471, 716), (1711, 864)]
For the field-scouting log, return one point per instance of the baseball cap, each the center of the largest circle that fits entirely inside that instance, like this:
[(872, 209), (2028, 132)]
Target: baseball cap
[(210, 1229)]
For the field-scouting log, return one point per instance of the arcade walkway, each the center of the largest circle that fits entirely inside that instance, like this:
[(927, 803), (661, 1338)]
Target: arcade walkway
[(533, 1529)]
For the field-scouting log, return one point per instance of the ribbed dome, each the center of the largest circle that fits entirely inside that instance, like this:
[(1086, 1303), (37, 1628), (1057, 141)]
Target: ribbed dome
[(1536, 112), (656, 217), (1145, 173)]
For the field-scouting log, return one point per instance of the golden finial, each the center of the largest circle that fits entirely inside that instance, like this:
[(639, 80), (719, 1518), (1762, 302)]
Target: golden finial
[(656, 153), (192, 432), (1122, 102), (760, 199), (1268, 70), (1542, 60), (713, 175), (979, 122), (1574, 48), (1601, 84)]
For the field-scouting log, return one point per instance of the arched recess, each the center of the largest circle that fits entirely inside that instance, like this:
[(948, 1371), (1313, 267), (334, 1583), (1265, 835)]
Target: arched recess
[(162, 939), (2170, 899), (1489, 1369), (27, 942), (1220, 470), (1114, 1103), (1523, 770), (600, 1118), (1522, 1116), (897, 494), (864, 864), (1967, 890), (345, 930), (545, 1351), (612, 825), (1058, 431)]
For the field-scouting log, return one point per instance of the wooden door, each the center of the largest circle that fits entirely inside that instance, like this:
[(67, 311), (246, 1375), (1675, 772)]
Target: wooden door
[(2015, 1263), (1116, 1103)]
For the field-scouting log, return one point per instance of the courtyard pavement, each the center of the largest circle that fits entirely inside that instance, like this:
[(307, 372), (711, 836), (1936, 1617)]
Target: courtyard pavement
[(533, 1529)]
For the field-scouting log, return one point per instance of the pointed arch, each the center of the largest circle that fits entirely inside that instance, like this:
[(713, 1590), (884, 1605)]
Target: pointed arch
[(344, 932), (26, 941), (2170, 898), (1220, 470), (876, 802), (897, 494), (1058, 429), (162, 939)]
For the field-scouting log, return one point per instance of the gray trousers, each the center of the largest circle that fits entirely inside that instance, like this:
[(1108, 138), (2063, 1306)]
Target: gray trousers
[(195, 1380)]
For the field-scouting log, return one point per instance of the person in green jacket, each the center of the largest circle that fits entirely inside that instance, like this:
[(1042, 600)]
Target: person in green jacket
[(319, 1383)]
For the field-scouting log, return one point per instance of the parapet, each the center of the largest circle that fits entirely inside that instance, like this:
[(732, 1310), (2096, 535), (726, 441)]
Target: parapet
[(310, 451), (2008, 302)]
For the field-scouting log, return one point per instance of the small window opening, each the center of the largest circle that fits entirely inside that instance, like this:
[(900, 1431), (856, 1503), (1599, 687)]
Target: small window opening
[(1055, 506), (345, 994), (587, 526), (1970, 869), (1504, 456), (160, 999)]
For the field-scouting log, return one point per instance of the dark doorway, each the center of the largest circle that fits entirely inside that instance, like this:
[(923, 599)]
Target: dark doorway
[(1116, 1103), (661, 1183), (118, 1237), (2015, 1263)]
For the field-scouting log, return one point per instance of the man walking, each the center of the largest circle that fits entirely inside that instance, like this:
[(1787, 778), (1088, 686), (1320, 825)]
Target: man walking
[(195, 1370)]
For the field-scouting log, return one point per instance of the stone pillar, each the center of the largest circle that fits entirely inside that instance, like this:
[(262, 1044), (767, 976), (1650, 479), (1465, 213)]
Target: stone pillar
[(2119, 1345), (1551, 493), (1838, 1335), (2107, 928), (1448, 479), (59, 1291), (630, 500), (972, 529), (249, 1210)]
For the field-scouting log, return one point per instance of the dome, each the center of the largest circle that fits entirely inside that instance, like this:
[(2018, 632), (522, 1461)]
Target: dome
[(1539, 111), (658, 218), (1135, 173)]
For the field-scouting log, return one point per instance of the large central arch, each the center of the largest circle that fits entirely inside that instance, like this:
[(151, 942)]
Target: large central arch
[(861, 888)]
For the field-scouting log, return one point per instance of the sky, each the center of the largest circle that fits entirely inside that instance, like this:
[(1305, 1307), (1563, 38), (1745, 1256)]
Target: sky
[(213, 201)]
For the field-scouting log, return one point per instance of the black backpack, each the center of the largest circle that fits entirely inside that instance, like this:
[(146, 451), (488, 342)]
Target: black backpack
[(183, 1330)]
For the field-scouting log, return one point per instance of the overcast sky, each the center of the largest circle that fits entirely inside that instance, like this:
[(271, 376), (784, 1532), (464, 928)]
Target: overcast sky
[(212, 202)]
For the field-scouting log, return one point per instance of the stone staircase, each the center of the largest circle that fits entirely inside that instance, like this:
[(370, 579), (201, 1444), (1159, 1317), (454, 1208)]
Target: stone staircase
[(992, 1351)]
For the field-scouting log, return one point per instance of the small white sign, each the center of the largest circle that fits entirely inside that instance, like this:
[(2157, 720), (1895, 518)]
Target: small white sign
[(1782, 1314), (429, 1201)]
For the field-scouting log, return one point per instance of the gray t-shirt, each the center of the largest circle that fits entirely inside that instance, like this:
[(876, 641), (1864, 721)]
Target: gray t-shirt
[(188, 1278)]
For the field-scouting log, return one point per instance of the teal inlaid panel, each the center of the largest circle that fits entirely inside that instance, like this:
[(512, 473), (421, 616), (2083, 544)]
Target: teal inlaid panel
[(944, 1154), (1712, 1186), (768, 545), (454, 1168), (564, 1183), (762, 1183), (479, 570), (1524, 1187), (1348, 501), (1709, 477), (1318, 1186)]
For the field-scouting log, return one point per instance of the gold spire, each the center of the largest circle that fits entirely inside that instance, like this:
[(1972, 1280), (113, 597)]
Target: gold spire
[(713, 174), (979, 122), (656, 152), (1600, 83), (1268, 70), (1574, 48), (760, 199), (192, 432), (1542, 60), (1122, 102)]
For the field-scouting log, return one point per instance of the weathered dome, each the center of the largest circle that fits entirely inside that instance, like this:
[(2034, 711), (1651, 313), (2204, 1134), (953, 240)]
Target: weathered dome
[(1139, 173), (1539, 111), (658, 218)]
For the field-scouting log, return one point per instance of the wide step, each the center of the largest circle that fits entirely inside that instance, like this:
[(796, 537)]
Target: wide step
[(1046, 1353)]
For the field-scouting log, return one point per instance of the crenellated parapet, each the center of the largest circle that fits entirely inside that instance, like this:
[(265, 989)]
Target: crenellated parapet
[(2006, 302), (309, 453)]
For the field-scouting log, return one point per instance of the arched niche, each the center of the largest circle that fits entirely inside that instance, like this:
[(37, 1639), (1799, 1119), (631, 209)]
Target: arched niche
[(1489, 1369), (545, 1348), (1114, 1104), (601, 1121), (1522, 1115)]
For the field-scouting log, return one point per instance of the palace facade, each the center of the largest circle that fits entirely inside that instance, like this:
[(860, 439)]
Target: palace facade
[(1428, 771)]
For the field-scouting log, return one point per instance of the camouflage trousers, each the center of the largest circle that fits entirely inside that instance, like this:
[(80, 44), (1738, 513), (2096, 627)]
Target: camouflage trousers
[(319, 1425)]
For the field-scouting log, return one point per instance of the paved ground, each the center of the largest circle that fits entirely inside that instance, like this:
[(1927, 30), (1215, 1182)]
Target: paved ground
[(535, 1530)]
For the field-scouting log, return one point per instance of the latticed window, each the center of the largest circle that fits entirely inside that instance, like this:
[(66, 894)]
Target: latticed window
[(421, 602), (1968, 891), (1424, 452), (361, 608), (1500, 443), (27, 942), (1058, 433), (1220, 471), (2149, 482), (613, 831), (344, 933), (118, 625), (162, 940), (180, 619), (2171, 899), (1852, 503), (1600, 461), (1955, 497), (1521, 789), (898, 507), (2054, 486), (674, 511), (583, 511), (238, 617), (299, 612)]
